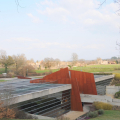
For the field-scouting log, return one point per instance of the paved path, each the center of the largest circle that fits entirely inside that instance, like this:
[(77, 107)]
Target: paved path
[(72, 115)]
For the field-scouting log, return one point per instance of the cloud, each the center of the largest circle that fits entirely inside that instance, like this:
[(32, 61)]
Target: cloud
[(94, 46), (30, 43), (56, 13), (84, 12), (34, 19), (21, 40)]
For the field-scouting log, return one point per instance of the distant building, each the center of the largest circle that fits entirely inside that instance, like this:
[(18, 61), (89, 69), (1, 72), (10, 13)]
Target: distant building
[(104, 62), (111, 62)]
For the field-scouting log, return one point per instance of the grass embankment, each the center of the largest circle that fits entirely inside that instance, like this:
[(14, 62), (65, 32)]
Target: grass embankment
[(44, 71), (3, 81), (109, 115), (2, 70), (115, 68)]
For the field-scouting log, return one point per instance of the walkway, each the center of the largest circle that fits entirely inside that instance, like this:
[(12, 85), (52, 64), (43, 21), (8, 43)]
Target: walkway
[(72, 115)]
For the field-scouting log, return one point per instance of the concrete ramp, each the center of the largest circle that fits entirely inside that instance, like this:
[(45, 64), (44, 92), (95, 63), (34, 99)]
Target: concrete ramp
[(73, 115), (103, 78), (86, 98)]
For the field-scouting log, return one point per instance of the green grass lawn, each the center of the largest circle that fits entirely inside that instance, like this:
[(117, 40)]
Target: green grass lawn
[(3, 81), (43, 71), (115, 68), (109, 115), (2, 70)]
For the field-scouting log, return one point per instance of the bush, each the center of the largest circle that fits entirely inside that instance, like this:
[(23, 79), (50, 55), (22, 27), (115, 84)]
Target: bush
[(117, 94), (102, 73), (69, 66), (117, 76), (92, 114), (6, 112), (95, 114), (100, 111), (101, 105), (23, 115)]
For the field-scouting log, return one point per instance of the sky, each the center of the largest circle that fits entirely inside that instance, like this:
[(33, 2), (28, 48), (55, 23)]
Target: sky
[(58, 28)]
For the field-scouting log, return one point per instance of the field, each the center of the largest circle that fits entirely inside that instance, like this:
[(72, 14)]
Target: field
[(43, 71), (115, 68), (2, 70), (109, 115)]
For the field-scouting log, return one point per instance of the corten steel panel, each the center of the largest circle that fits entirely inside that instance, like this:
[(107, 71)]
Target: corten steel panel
[(81, 82), (21, 77)]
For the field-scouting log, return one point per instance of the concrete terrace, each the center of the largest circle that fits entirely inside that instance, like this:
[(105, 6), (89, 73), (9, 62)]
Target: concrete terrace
[(23, 90)]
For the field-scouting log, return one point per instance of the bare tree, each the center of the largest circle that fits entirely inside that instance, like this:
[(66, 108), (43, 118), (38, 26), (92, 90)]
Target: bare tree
[(74, 59), (5, 59), (20, 61), (99, 60), (48, 62), (57, 62)]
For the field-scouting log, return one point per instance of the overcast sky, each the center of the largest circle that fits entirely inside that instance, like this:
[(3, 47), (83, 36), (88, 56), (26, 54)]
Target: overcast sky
[(58, 28)]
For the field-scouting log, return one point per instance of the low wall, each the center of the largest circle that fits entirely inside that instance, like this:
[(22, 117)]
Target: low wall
[(94, 98), (111, 90), (99, 98), (104, 78)]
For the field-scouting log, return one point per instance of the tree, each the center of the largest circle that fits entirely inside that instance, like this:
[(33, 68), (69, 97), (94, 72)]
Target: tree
[(48, 62), (5, 60), (74, 58), (20, 61), (114, 58), (99, 60), (57, 61)]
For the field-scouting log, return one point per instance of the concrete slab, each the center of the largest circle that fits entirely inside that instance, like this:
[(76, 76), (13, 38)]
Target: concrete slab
[(32, 94), (72, 115), (103, 78)]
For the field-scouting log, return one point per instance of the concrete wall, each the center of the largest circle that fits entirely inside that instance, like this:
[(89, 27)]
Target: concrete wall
[(94, 98), (111, 90), (98, 98)]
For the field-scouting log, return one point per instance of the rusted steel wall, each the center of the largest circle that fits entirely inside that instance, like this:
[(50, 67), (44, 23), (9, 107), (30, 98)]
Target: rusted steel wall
[(21, 77), (81, 82)]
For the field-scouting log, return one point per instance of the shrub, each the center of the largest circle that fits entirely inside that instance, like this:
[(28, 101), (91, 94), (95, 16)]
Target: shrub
[(92, 114), (117, 94), (101, 105), (95, 114), (117, 76), (6, 112), (69, 66), (23, 115), (100, 111), (102, 73)]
